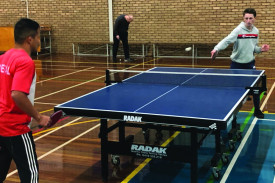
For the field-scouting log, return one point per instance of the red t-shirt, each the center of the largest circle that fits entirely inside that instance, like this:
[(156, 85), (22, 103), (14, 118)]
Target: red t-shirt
[(17, 72)]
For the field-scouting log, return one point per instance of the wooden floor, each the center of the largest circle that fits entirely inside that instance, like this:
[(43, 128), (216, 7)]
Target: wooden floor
[(71, 153)]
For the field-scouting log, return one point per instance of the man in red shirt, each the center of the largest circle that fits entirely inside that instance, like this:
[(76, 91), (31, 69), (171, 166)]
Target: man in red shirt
[(17, 88)]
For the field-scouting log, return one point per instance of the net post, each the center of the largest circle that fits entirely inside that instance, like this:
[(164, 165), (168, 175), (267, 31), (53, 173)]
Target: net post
[(107, 78)]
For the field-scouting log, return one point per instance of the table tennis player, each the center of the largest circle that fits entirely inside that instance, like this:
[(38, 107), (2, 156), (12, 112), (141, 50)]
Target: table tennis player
[(245, 38), (17, 88)]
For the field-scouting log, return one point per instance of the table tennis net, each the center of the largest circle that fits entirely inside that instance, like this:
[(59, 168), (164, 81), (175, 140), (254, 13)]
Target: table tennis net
[(182, 78)]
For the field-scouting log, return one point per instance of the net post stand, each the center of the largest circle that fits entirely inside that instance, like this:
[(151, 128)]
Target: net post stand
[(107, 79)]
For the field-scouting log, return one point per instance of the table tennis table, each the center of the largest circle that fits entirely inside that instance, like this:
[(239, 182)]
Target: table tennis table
[(203, 100)]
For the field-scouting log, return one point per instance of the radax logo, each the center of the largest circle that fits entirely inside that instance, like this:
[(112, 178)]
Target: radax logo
[(148, 149), (132, 118)]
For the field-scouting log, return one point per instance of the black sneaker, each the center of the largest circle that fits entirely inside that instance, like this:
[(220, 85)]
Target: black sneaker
[(249, 98), (128, 60), (259, 114)]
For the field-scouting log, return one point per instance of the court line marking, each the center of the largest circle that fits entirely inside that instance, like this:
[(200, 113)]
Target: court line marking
[(241, 146), (64, 75), (71, 124), (268, 120), (69, 88), (100, 77), (249, 116), (169, 91), (69, 141), (44, 103)]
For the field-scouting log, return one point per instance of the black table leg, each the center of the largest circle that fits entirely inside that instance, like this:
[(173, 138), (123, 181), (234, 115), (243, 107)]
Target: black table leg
[(104, 152), (194, 163)]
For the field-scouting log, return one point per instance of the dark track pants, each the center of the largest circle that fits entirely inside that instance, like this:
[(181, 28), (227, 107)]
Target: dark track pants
[(22, 150), (124, 39)]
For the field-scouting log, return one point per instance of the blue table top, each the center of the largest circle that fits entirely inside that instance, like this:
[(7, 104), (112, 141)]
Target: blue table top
[(188, 96)]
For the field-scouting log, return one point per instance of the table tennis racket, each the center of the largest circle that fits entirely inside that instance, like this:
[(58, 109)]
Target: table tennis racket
[(214, 55), (55, 117)]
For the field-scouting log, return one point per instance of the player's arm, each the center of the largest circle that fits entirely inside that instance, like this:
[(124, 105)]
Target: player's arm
[(223, 44), (116, 27), (22, 101)]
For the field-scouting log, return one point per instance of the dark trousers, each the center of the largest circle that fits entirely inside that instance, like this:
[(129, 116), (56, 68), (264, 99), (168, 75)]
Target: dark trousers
[(22, 150), (124, 39), (250, 65)]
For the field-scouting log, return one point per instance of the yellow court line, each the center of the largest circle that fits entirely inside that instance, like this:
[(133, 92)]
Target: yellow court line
[(266, 112), (147, 160), (72, 124), (47, 110)]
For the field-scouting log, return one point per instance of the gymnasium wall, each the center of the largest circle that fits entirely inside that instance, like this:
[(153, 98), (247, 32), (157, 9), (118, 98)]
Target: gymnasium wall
[(156, 21)]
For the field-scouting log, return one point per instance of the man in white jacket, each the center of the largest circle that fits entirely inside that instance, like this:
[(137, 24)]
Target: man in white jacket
[(245, 38)]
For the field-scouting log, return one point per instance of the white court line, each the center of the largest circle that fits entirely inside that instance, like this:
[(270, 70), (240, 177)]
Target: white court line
[(77, 84), (167, 91), (64, 75), (44, 103), (249, 131), (268, 120), (69, 141), (58, 128), (69, 88)]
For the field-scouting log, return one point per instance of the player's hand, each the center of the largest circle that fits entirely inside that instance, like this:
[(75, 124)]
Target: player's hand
[(214, 54), (44, 120), (264, 48), (117, 37)]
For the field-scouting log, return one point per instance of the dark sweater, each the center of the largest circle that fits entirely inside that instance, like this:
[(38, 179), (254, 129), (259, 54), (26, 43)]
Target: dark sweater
[(121, 26)]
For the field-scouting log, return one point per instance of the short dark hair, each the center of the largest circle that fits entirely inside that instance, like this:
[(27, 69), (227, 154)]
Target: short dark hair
[(249, 11), (24, 28)]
